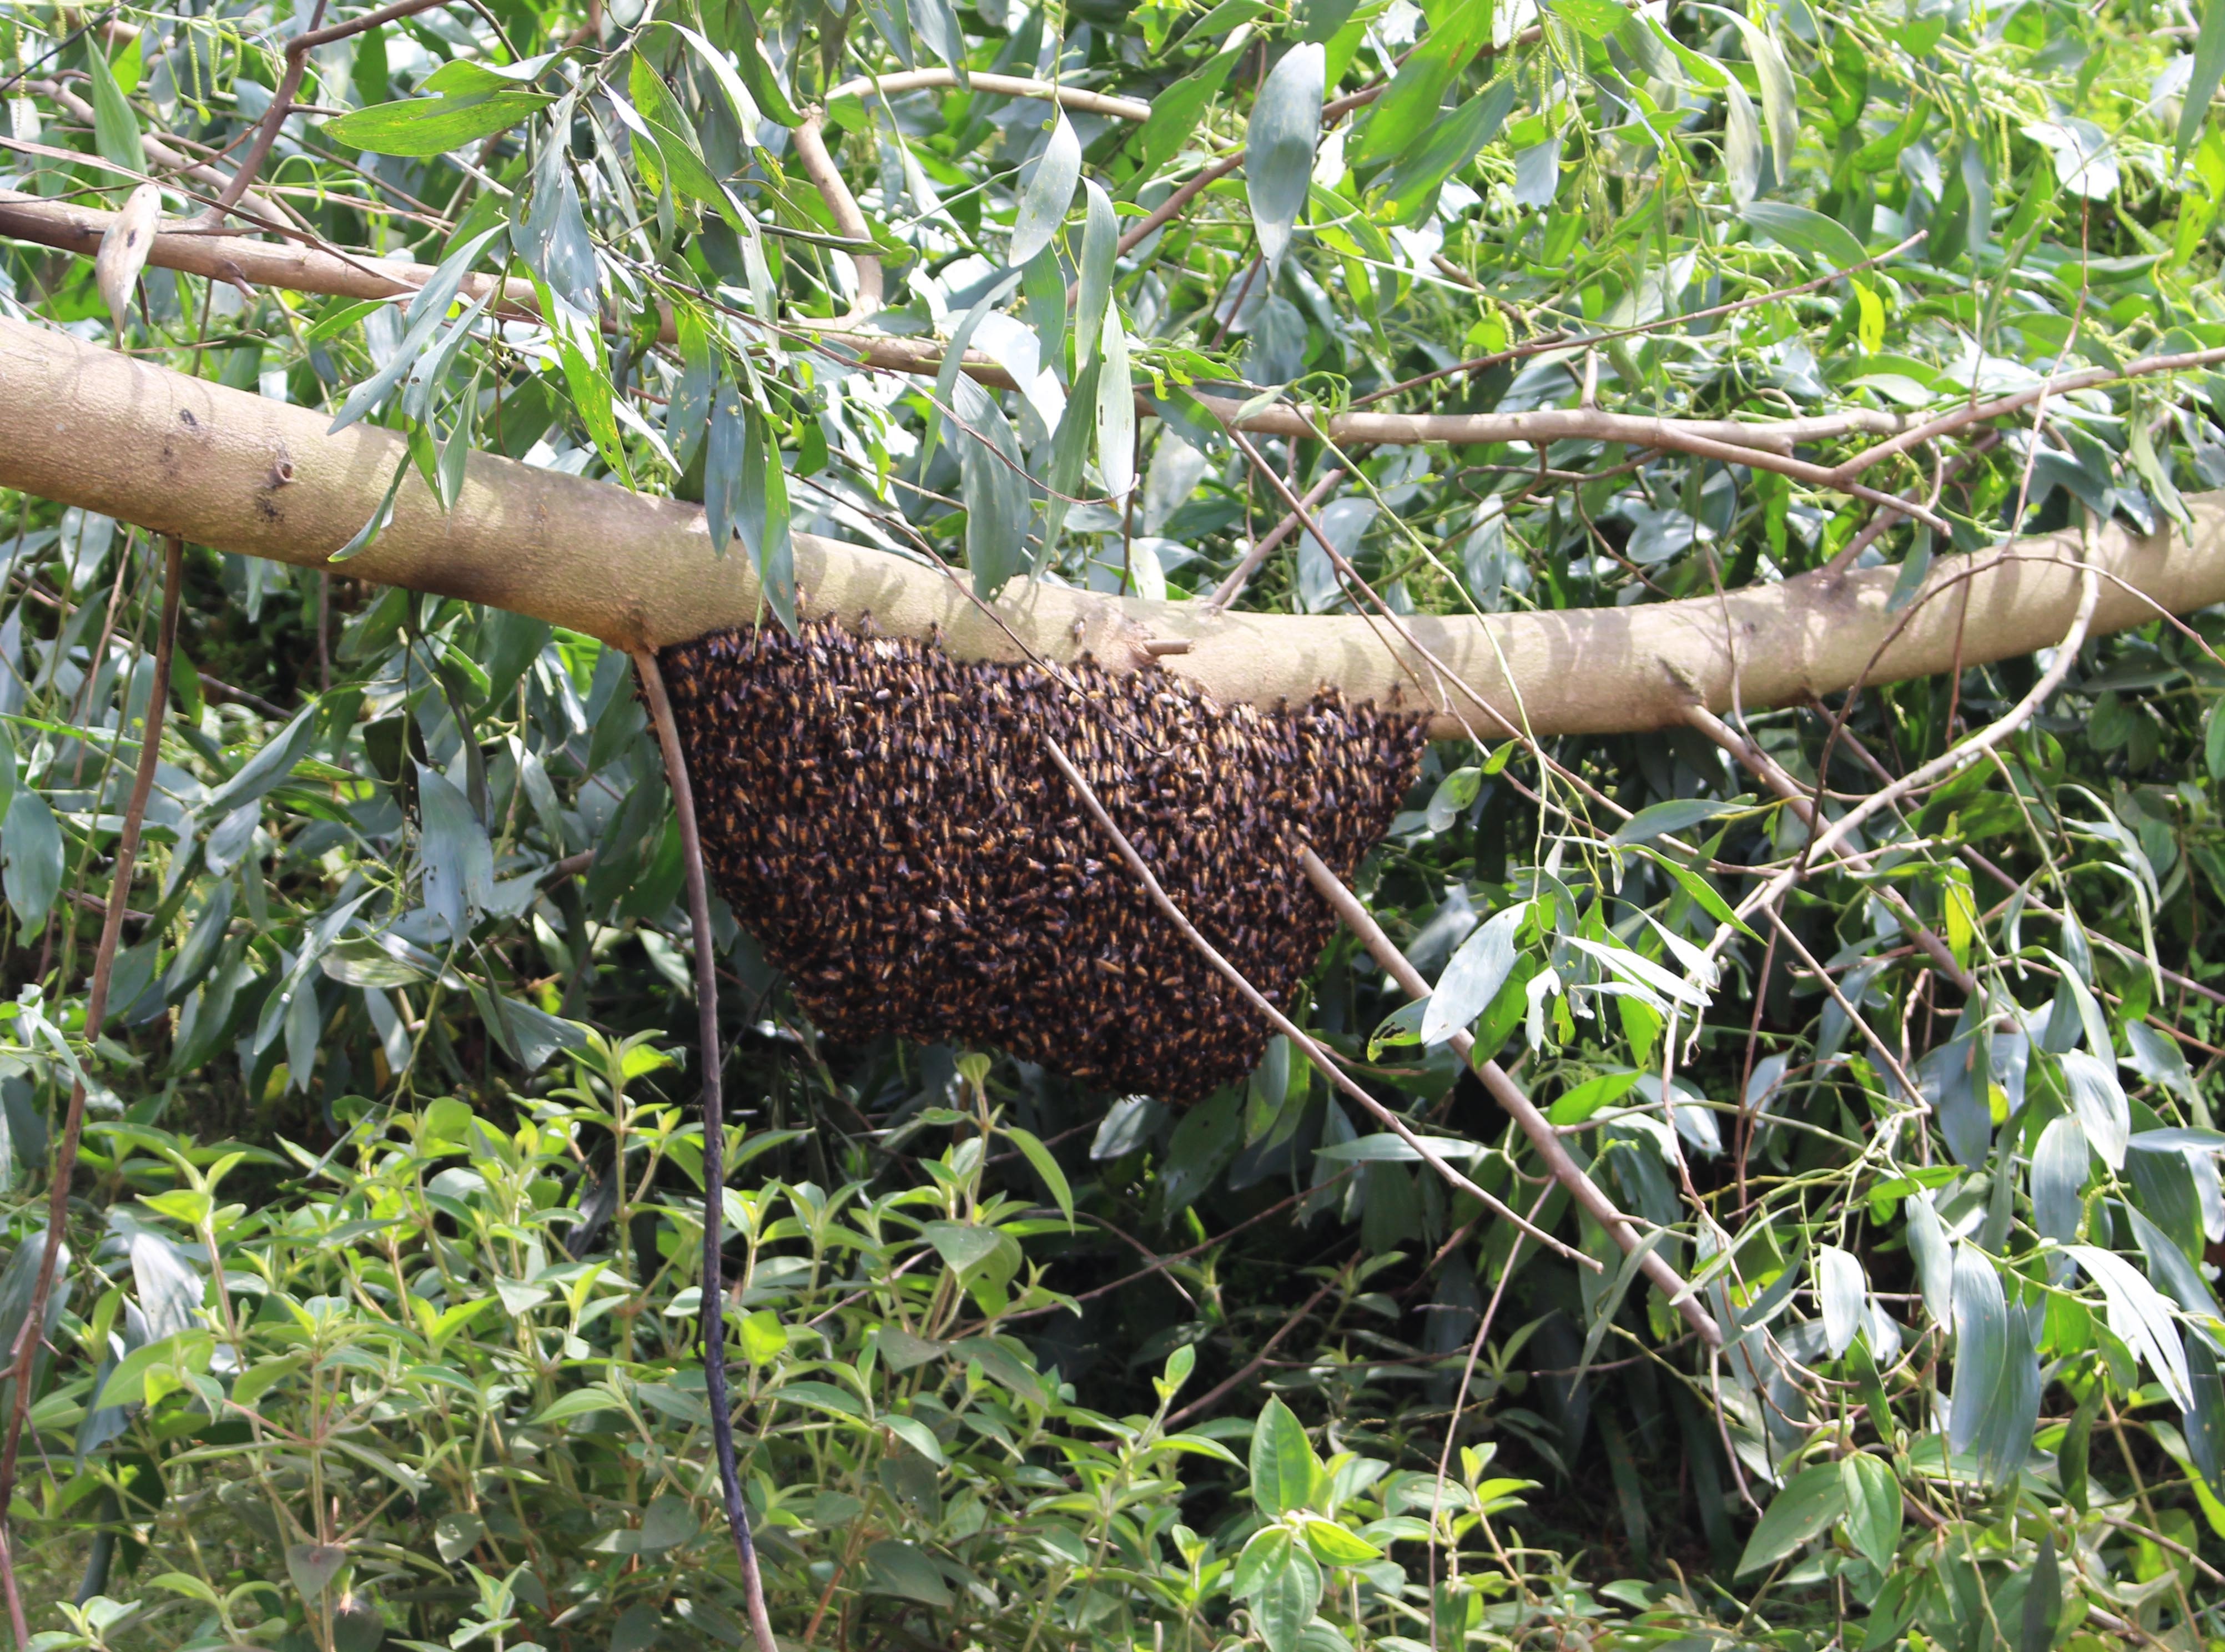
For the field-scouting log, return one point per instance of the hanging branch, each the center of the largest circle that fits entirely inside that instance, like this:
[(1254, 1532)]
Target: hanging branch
[(1289, 1028), (714, 1132), (23, 1355), (1539, 1129)]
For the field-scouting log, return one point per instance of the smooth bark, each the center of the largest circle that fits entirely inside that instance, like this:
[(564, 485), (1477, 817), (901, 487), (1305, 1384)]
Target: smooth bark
[(85, 426)]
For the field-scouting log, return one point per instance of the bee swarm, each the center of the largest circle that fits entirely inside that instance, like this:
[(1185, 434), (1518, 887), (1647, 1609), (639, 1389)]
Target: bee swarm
[(887, 821)]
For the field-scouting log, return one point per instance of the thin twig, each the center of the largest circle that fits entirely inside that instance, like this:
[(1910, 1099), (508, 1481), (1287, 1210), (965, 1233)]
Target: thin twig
[(1773, 775), (290, 82), (1509, 1095), (1948, 763), (1290, 1030), (33, 1333), (1236, 1379), (714, 1130), (1232, 586)]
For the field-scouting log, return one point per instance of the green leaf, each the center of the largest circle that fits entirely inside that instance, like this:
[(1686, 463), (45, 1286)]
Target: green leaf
[(1873, 1517), (425, 126), (1410, 195), (996, 489), (1827, 243), (1046, 193), (1388, 1147), (30, 857), (313, 1566), (1996, 1394), (1174, 113), (1284, 1467), (1278, 151), (899, 1568), (1046, 1166), (1471, 979), (2043, 1597), (1336, 1545), (2202, 82), (1677, 814), (1285, 1599), (1408, 109), (1593, 1093), (1810, 1501), (115, 126)]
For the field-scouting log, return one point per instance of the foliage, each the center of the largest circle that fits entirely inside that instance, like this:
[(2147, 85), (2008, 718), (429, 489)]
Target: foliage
[(380, 1300)]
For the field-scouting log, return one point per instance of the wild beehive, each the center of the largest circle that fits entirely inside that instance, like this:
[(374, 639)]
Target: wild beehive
[(887, 821)]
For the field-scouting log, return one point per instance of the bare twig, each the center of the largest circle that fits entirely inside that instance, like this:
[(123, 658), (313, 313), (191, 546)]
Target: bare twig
[(714, 1131), (23, 1355), (1566, 341), (1237, 1378), (1586, 1192), (290, 82), (1948, 763), (1003, 86), (1232, 586), (1290, 1030), (1773, 775)]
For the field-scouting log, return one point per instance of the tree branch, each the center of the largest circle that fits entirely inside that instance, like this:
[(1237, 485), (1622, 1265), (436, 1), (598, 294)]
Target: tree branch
[(85, 426), (713, 1289), (24, 1354), (1539, 1129)]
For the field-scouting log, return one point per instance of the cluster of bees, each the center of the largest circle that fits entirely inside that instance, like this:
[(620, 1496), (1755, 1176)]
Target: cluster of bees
[(888, 822)]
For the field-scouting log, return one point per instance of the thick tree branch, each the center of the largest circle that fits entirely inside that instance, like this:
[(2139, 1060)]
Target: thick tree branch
[(87, 427)]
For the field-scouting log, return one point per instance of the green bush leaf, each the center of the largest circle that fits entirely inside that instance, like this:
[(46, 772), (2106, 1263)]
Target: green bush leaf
[(423, 126)]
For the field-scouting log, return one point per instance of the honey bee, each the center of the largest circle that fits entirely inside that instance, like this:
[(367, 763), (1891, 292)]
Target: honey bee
[(886, 820)]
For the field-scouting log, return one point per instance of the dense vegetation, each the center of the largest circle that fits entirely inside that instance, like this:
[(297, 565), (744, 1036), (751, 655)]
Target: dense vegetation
[(378, 1319)]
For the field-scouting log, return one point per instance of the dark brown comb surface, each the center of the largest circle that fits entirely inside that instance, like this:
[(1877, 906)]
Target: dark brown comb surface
[(886, 821)]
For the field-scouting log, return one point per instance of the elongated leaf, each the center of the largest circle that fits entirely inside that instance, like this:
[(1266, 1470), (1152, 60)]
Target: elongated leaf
[(30, 857), (1935, 1258), (115, 126), (2140, 1317), (1810, 1502), (2059, 1166), (1116, 412), (1408, 109), (1174, 112), (1471, 979), (270, 766), (1741, 144), (1996, 1396), (1410, 195), (723, 461), (2202, 82), (996, 490), (1069, 455), (1047, 192), (423, 126), (459, 861), (2098, 1100), (1828, 244), (761, 515), (1839, 1283), (426, 311), (1677, 814), (2043, 1598), (1279, 153), (1873, 1517), (1100, 238), (1046, 1166)]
